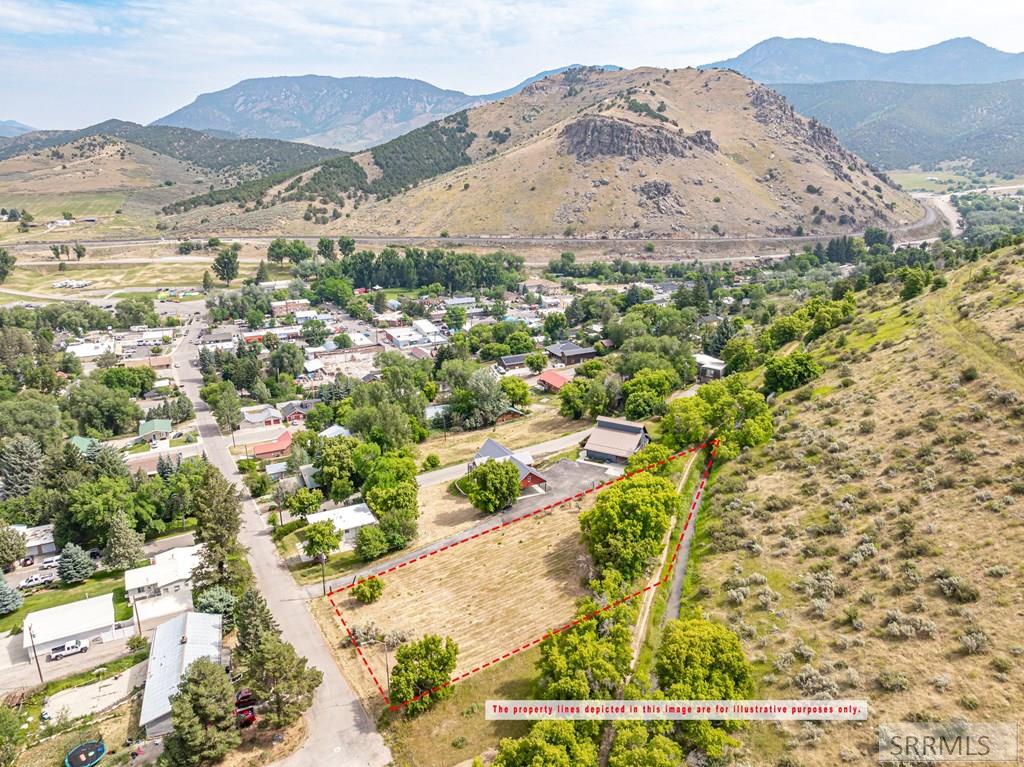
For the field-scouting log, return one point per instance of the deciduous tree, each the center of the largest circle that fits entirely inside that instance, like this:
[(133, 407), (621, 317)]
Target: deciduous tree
[(493, 485), (419, 668)]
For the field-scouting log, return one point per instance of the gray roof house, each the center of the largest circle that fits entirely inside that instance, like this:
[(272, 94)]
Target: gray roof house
[(176, 644), (495, 451)]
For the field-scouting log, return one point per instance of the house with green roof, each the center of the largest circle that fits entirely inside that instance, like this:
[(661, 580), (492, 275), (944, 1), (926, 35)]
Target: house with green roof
[(155, 429), (84, 444)]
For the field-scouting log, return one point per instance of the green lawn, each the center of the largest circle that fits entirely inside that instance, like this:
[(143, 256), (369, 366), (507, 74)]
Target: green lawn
[(106, 582), (46, 207), (947, 181)]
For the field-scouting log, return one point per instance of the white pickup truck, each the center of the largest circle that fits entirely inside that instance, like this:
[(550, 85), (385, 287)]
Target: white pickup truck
[(73, 647)]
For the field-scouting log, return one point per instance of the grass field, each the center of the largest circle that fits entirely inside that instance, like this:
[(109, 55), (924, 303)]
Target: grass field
[(455, 730), (543, 423), (45, 207), (113, 277), (947, 181), (490, 595), (102, 583)]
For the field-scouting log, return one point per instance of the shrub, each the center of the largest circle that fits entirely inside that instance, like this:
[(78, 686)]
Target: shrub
[(893, 681), (969, 374), (432, 461), (138, 643), (956, 588), (974, 640), (282, 531), (369, 590)]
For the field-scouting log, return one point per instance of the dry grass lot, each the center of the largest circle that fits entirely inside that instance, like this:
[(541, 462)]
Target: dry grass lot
[(490, 595), (873, 549), (542, 424), (442, 513)]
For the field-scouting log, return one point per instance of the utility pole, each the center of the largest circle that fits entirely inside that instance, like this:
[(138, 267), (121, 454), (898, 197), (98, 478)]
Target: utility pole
[(32, 638)]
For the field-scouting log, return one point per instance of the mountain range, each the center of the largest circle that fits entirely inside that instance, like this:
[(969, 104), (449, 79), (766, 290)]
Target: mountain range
[(631, 153), (349, 113), (11, 128), (896, 125), (961, 60)]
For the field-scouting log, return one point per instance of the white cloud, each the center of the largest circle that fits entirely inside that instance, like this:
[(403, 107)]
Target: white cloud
[(72, 63)]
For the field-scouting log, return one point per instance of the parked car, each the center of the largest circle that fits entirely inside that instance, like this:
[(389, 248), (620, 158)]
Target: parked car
[(73, 647), (95, 554), (245, 698), (245, 718), (28, 561), (39, 579), (49, 563)]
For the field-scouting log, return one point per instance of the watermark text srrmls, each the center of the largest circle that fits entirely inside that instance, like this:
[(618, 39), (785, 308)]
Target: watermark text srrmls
[(948, 742), (679, 710)]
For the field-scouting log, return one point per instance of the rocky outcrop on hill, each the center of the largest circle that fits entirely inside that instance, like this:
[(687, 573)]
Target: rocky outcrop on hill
[(600, 136)]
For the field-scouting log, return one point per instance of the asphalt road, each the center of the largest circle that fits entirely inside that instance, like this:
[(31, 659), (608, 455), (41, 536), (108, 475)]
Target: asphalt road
[(340, 732)]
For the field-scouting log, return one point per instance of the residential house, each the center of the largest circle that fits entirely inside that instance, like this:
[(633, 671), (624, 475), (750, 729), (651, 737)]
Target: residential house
[(492, 450), (273, 449), (539, 286), (176, 645), (256, 416), (38, 540), (295, 412), (348, 521), (615, 440), (84, 444), (276, 471), (334, 430), (552, 381), (167, 572), (155, 430), (404, 336), (87, 620), (570, 352), (288, 306), (512, 361), (709, 368)]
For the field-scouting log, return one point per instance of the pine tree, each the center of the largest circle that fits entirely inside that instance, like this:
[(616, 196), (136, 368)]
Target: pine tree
[(106, 461), (21, 466), (74, 565), (207, 281), (203, 716), (281, 677), (218, 520), (10, 598), (254, 622), (12, 544), (262, 272), (219, 600), (164, 467), (124, 544)]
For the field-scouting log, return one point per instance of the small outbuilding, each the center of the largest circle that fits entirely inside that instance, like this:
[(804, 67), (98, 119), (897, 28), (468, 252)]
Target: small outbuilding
[(614, 440)]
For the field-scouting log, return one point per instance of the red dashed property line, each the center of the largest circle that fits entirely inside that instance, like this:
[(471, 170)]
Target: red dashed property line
[(555, 631), (528, 515)]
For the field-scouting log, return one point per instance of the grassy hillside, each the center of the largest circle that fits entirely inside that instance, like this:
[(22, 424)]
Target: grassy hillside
[(895, 125), (872, 550), (637, 153), (236, 158)]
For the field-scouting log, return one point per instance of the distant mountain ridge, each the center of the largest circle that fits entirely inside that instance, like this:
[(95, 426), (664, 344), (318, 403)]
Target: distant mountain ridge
[(12, 128), (350, 113), (896, 125), (238, 158), (961, 60)]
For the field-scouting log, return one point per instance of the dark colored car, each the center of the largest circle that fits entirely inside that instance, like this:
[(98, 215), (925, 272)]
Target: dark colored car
[(245, 698)]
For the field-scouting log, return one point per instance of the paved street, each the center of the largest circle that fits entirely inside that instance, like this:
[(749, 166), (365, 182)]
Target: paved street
[(340, 733)]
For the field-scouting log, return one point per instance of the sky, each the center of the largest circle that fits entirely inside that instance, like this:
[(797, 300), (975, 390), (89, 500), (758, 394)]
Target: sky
[(72, 64)]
